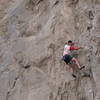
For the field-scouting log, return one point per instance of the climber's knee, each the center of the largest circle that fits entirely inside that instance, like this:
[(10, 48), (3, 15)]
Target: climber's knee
[(74, 59)]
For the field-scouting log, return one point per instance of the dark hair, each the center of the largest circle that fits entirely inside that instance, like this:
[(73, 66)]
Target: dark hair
[(69, 41)]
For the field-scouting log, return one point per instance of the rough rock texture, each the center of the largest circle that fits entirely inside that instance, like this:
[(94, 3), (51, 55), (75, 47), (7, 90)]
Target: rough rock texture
[(32, 36)]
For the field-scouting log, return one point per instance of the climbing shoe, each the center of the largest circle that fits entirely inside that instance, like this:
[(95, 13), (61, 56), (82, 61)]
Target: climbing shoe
[(82, 67), (74, 75)]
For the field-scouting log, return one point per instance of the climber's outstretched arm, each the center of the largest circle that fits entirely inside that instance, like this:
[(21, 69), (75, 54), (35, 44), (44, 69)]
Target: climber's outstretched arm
[(75, 48)]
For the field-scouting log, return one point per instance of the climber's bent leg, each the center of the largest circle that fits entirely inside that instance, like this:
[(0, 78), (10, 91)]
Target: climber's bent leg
[(76, 61)]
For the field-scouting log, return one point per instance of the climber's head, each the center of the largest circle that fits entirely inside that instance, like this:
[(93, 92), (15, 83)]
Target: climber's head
[(70, 42)]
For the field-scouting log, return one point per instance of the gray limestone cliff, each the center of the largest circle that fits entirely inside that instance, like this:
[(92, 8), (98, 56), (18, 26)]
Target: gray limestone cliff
[(32, 37)]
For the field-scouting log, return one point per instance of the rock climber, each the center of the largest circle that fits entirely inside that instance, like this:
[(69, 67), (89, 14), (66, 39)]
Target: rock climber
[(69, 46)]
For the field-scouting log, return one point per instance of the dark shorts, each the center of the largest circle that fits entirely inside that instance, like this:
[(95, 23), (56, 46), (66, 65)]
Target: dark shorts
[(67, 58)]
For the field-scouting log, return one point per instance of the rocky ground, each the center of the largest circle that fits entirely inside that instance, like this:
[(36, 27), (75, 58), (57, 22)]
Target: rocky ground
[(32, 37)]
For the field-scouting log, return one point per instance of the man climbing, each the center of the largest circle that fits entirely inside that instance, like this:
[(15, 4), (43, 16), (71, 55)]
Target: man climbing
[(69, 46)]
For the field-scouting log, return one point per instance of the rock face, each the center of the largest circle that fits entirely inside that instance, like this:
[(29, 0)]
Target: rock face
[(32, 37)]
